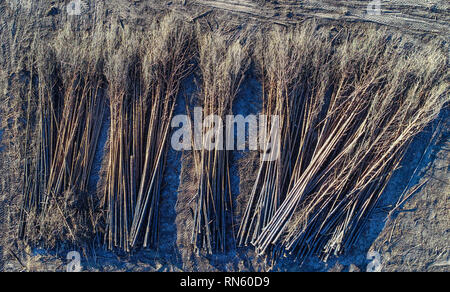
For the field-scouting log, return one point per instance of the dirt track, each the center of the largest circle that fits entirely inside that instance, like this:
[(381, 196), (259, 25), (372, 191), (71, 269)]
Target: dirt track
[(431, 17)]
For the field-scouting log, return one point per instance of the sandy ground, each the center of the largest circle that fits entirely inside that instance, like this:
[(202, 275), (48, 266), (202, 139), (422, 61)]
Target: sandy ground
[(412, 236), (430, 16)]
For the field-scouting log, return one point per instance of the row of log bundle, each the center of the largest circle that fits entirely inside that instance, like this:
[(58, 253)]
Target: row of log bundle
[(348, 105)]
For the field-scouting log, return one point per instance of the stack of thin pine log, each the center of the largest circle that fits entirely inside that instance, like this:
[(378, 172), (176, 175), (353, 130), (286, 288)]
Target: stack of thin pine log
[(348, 107), (294, 74), (223, 62), (66, 93), (144, 74), (349, 112)]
